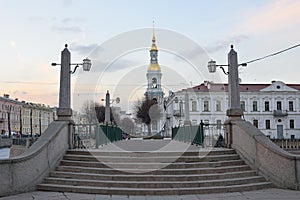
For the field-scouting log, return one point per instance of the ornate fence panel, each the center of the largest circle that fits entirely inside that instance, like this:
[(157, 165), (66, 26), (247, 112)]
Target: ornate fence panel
[(95, 135), (202, 134), (189, 134)]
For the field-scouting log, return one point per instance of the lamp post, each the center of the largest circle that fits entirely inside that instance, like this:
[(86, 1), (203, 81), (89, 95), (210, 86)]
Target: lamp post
[(64, 111), (234, 111), (108, 101)]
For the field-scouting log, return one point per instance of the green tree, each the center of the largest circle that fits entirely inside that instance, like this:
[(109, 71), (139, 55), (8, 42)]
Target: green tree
[(147, 111)]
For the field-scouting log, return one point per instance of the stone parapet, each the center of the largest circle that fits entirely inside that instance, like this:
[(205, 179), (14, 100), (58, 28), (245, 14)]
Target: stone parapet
[(22, 173), (277, 165)]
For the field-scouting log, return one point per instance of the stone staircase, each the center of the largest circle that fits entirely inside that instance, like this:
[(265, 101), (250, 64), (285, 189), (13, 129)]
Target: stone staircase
[(153, 173)]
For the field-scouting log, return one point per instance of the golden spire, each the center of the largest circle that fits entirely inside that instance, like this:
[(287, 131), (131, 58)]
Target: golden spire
[(153, 33), (153, 47), (153, 66)]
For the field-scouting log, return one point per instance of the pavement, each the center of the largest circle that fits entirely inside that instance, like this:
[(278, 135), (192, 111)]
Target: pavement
[(265, 194)]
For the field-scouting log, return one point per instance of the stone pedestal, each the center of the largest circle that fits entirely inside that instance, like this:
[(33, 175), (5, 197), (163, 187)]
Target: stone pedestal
[(64, 114), (234, 113)]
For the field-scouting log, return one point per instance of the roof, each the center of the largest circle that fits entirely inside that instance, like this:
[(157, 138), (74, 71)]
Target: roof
[(220, 87)]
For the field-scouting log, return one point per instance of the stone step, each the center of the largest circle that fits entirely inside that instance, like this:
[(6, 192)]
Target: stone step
[(208, 170), (154, 184), (153, 191), (152, 177), (177, 165), (152, 171), (213, 151), (161, 159)]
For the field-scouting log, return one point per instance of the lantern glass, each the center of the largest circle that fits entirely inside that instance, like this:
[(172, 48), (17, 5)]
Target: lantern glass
[(212, 66), (87, 64)]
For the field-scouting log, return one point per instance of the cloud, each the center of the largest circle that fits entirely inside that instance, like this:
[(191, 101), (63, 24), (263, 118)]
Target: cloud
[(66, 28), (36, 18), (13, 44), (277, 15), (67, 3), (68, 20), (121, 64), (83, 49), (17, 92), (222, 44)]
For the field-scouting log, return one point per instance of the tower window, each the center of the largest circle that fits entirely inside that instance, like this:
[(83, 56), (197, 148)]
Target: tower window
[(154, 83)]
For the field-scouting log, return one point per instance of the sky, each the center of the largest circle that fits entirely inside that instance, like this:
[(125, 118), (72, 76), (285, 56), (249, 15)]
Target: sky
[(34, 32)]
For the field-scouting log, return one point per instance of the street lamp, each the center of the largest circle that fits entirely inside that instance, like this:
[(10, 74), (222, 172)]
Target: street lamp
[(234, 110), (108, 101), (64, 111)]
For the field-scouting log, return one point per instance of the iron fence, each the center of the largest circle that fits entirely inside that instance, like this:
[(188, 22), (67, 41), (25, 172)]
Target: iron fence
[(207, 135), (95, 135)]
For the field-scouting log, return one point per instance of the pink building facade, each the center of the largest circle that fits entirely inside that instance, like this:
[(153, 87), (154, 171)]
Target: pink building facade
[(10, 112)]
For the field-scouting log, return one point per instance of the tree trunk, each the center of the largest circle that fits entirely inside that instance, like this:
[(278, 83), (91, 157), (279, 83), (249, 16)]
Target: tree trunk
[(149, 129)]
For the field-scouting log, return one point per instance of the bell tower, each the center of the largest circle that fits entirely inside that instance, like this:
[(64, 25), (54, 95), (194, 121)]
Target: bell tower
[(154, 90)]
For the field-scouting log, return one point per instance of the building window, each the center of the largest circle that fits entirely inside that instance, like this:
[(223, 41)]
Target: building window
[(205, 106), (194, 106), (181, 107), (292, 136), (291, 106), (279, 107), (268, 124), (255, 123), (254, 105), (243, 105), (218, 106), (267, 106), (219, 124), (292, 124)]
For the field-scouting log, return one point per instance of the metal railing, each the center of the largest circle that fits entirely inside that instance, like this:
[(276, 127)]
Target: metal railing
[(95, 135), (207, 135), (287, 143)]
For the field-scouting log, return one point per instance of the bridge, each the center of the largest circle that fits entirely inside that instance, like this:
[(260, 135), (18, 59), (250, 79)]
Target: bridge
[(250, 161), (184, 165)]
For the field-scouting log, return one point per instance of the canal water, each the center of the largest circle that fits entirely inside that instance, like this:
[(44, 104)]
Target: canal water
[(4, 153)]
